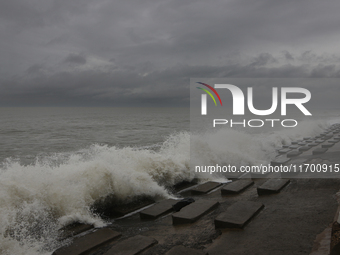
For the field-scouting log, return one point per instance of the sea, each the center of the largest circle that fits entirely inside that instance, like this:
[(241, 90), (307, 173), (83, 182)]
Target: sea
[(55, 163)]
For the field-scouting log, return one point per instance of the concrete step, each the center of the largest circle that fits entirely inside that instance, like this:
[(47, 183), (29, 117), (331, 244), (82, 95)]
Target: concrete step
[(238, 214), (158, 209), (181, 250), (283, 151), (319, 151), (327, 145), (280, 160), (304, 148), (88, 242), (205, 188), (272, 186), (332, 141), (319, 141), (328, 136), (193, 212), (293, 153), (131, 246), (236, 187)]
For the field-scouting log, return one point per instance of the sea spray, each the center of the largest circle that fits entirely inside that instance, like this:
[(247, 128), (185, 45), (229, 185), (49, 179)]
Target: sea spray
[(39, 198)]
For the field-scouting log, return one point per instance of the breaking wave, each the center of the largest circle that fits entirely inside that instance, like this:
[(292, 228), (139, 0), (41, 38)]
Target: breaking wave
[(37, 199)]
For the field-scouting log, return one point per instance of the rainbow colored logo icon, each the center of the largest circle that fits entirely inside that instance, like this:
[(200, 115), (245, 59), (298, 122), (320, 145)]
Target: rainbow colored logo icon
[(209, 93)]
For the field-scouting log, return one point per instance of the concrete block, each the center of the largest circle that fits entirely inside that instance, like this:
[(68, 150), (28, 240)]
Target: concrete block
[(319, 140), (158, 209), (319, 151), (283, 151), (272, 186), (193, 212), (312, 144), (236, 187), (279, 161), (327, 145), (293, 153), (238, 214), (332, 141), (205, 188), (88, 242), (304, 148)]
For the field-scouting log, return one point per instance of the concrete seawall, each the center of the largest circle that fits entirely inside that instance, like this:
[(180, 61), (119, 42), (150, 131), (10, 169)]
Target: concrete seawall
[(289, 213)]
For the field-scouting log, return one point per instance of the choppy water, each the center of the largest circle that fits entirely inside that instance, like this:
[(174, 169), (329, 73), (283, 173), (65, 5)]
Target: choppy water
[(56, 162), (27, 132)]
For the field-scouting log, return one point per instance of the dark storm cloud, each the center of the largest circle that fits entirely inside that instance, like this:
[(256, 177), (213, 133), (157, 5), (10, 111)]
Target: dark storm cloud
[(128, 87), (87, 52)]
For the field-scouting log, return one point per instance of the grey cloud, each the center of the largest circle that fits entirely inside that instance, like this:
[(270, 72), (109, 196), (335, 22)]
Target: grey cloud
[(264, 59), (128, 86), (75, 59), (325, 71), (34, 68), (145, 51), (287, 55)]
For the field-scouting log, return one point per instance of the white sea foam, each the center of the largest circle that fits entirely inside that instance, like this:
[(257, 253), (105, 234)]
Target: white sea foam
[(37, 199)]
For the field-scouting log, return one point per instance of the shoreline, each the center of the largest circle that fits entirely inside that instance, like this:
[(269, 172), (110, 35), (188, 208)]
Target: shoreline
[(289, 221)]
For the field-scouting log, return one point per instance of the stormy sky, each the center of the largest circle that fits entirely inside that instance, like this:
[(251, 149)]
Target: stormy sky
[(144, 52)]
